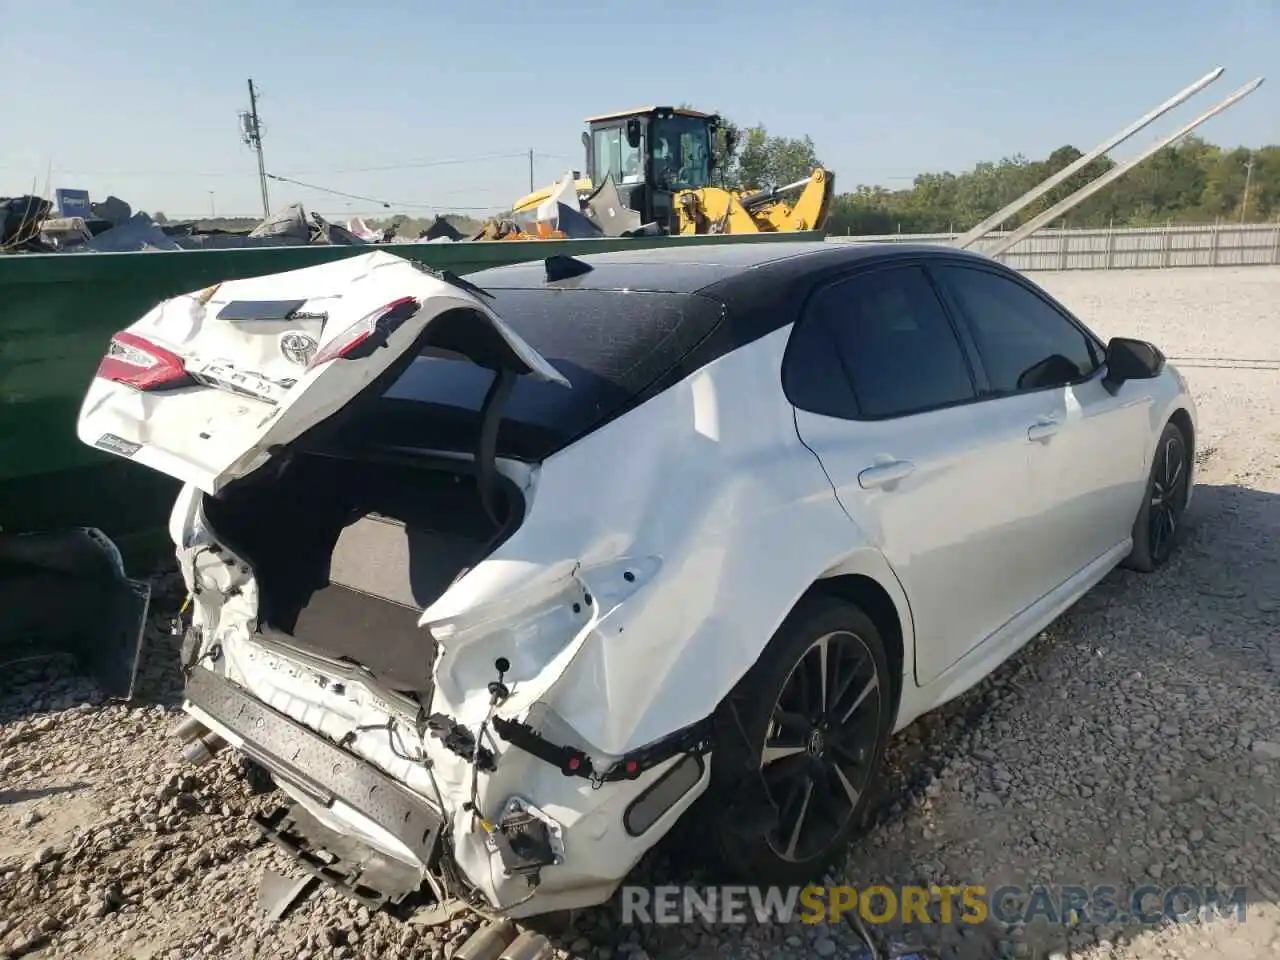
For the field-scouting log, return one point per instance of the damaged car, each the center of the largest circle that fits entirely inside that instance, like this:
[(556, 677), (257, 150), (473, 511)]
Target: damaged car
[(500, 577)]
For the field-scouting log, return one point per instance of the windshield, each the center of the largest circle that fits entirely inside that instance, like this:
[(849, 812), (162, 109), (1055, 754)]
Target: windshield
[(681, 153), (611, 154)]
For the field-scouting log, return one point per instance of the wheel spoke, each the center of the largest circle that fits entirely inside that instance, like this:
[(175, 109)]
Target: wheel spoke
[(866, 691), (847, 678), (1170, 460), (793, 840), (850, 791), (823, 653), (772, 754), (788, 735)]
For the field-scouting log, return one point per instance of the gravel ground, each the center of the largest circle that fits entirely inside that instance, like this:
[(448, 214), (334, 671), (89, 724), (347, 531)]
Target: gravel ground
[(1136, 742)]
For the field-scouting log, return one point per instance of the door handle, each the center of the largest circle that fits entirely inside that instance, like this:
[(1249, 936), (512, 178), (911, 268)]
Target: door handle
[(1043, 429), (883, 474)]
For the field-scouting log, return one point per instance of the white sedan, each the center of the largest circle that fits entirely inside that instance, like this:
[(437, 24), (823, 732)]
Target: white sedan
[(498, 576)]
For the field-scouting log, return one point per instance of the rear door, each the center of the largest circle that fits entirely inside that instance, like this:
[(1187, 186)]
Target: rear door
[(208, 385), (887, 400), (1087, 447)]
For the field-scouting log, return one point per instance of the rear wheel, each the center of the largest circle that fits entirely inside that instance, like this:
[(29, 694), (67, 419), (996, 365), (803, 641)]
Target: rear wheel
[(801, 744), (1159, 521)]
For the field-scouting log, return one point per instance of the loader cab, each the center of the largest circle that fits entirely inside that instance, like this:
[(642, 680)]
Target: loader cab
[(652, 154)]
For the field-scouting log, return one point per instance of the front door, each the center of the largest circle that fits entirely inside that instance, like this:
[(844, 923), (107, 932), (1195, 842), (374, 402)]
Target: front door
[(1087, 455)]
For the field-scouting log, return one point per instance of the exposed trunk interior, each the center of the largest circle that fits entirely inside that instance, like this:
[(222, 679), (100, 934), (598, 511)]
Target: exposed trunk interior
[(347, 553)]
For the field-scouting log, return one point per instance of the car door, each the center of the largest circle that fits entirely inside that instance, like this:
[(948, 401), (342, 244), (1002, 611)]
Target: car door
[(887, 400), (1086, 444)]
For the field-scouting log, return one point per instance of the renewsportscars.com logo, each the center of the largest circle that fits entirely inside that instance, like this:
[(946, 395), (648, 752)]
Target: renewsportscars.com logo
[(972, 904)]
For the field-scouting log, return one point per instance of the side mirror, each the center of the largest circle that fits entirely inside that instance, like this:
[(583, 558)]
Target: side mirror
[(633, 133), (1129, 359)]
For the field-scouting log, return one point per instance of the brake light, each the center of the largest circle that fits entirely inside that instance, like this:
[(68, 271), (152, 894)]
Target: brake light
[(139, 363), (366, 335)]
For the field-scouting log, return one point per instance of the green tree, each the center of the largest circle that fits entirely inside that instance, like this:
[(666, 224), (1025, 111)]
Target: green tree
[(766, 161), (1192, 182)]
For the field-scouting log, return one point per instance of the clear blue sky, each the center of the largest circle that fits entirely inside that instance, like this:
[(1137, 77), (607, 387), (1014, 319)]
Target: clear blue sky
[(139, 97)]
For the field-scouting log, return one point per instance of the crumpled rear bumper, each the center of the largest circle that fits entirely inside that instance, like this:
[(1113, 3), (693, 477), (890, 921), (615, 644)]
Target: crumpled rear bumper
[(328, 776)]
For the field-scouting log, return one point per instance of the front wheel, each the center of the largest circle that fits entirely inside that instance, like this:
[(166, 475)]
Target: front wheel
[(803, 742), (1159, 522)]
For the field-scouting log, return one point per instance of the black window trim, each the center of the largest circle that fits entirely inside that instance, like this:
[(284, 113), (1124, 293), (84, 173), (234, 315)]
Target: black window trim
[(962, 317), (977, 376)]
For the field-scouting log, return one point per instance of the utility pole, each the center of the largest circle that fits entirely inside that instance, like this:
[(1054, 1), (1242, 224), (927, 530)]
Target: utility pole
[(1248, 179), (251, 134), (213, 211), (531, 186)]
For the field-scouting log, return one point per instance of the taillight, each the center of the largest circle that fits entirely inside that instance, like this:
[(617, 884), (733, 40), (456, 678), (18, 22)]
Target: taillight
[(366, 335), (137, 362)]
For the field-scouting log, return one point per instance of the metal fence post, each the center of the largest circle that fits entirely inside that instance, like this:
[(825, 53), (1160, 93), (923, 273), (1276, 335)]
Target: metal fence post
[(1166, 245), (1275, 245), (1213, 242), (1111, 244), (1062, 249)]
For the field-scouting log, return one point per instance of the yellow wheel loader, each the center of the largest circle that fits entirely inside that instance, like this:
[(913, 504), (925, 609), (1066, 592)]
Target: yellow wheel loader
[(651, 171)]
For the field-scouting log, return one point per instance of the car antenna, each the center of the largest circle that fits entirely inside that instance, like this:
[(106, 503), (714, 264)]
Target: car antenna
[(562, 267), (451, 278), (448, 276)]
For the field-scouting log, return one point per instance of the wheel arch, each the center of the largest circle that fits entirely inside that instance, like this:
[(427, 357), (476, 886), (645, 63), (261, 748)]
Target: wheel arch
[(886, 606)]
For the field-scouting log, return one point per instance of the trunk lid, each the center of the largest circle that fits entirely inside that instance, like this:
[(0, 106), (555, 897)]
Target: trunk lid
[(209, 384)]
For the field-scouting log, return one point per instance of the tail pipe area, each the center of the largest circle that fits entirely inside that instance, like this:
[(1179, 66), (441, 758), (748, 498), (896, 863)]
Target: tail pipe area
[(201, 743), (499, 940)]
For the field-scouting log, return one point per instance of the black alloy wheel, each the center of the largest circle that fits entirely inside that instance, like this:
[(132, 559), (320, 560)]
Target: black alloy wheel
[(1168, 499), (818, 750), (799, 745), (1160, 518)]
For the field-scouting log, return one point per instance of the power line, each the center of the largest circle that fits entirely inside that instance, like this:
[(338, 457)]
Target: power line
[(386, 204), (410, 164)]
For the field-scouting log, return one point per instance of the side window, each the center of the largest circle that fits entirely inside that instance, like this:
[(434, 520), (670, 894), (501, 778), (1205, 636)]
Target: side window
[(1024, 342), (894, 342)]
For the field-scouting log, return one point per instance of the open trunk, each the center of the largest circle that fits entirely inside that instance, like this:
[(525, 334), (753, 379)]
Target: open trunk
[(347, 553)]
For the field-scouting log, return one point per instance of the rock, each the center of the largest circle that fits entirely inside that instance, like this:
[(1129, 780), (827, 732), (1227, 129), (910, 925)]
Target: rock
[(824, 946), (1267, 748)]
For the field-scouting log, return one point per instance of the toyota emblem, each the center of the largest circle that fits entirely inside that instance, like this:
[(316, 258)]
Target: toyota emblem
[(298, 347)]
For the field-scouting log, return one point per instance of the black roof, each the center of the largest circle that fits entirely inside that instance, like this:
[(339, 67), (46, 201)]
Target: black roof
[(635, 324), (688, 268)]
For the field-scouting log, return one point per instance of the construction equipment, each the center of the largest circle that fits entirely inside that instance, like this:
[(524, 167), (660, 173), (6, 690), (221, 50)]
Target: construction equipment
[(652, 171)]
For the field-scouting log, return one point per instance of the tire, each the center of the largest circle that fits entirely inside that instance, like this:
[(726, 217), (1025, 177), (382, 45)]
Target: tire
[(1159, 522), (821, 774)]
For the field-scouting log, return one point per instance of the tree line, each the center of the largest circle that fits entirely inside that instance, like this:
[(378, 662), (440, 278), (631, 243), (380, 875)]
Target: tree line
[(1193, 182)]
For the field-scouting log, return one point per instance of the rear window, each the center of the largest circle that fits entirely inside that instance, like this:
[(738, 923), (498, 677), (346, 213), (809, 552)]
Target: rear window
[(614, 347)]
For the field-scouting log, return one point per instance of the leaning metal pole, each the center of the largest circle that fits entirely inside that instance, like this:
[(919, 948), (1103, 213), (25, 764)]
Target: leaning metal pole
[(1038, 191), (1088, 190)]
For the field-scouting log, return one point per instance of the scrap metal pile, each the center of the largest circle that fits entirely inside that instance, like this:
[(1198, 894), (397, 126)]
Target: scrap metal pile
[(28, 226)]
